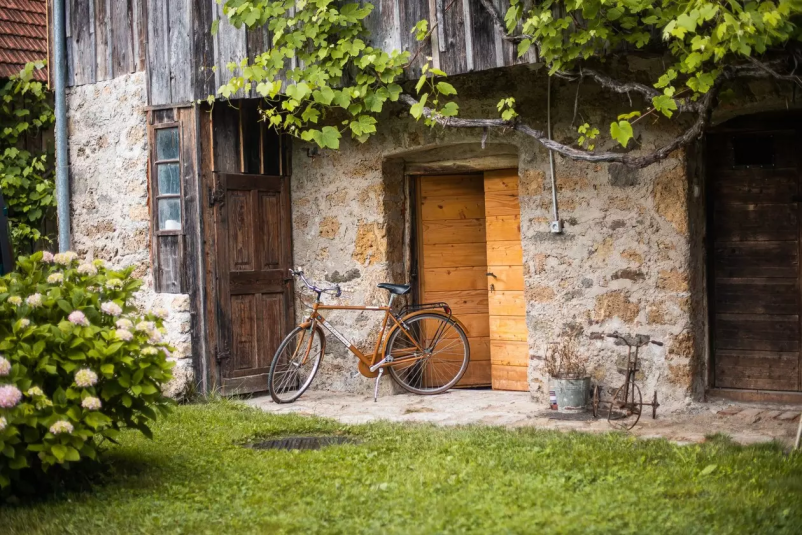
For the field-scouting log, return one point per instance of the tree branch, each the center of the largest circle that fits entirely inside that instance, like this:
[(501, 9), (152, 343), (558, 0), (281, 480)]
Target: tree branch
[(693, 132), (499, 23)]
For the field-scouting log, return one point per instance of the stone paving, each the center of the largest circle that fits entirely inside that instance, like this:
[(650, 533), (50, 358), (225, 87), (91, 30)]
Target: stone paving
[(746, 423)]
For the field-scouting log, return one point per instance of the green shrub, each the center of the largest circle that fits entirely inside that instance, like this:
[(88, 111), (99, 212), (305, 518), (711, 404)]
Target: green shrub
[(78, 363)]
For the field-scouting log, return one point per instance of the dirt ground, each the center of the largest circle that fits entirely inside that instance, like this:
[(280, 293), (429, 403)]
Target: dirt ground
[(746, 423)]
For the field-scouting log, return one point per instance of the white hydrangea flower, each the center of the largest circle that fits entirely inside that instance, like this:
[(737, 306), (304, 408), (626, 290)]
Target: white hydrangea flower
[(15, 300), (47, 257), (62, 426), (87, 269), (99, 263), (65, 259), (24, 322), (125, 324), (34, 300), (114, 284), (124, 335), (3, 423), (155, 336), (55, 278), (5, 366), (149, 350), (111, 308), (91, 404), (161, 312), (145, 326), (85, 378)]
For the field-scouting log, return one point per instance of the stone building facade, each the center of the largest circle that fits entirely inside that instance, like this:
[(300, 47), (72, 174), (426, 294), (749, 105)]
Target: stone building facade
[(109, 197), (631, 257)]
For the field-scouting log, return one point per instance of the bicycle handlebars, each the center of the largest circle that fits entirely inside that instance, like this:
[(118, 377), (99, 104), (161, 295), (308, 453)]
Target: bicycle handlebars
[(335, 290), (634, 340)]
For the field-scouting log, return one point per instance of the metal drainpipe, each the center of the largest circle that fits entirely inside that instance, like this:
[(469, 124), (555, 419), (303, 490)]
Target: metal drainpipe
[(556, 225), (62, 156)]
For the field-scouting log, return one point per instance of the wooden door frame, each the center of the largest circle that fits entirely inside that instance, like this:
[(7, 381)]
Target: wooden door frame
[(209, 165), (757, 123)]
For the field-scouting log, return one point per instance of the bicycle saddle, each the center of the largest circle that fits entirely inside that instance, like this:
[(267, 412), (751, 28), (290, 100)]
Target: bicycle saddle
[(397, 289)]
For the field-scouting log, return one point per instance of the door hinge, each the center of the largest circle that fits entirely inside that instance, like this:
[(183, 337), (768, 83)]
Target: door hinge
[(216, 195), (222, 354)]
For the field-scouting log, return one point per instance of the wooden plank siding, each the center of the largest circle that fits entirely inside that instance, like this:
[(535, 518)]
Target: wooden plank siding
[(105, 39), (173, 41)]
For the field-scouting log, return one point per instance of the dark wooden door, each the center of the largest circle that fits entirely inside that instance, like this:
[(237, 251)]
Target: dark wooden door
[(754, 211), (254, 253)]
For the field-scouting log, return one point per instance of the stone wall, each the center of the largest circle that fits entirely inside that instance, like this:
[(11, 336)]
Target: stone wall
[(109, 189), (623, 262)]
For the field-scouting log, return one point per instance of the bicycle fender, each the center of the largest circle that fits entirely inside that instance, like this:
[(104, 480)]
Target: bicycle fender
[(395, 326)]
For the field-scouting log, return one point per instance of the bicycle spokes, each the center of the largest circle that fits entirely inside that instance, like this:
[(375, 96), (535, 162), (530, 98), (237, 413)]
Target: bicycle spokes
[(430, 355)]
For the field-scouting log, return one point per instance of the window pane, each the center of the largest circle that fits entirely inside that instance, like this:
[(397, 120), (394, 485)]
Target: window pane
[(169, 214), (169, 181), (167, 144)]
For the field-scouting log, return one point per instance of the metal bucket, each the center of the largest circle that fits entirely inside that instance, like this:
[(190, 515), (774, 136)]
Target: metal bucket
[(572, 394)]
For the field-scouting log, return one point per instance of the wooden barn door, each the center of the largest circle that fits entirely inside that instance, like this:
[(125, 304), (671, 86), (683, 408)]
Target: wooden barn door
[(254, 300), (453, 259), (509, 350), (754, 218), (470, 257)]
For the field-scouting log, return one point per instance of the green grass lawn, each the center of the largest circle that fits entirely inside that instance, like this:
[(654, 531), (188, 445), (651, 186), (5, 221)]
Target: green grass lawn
[(196, 478)]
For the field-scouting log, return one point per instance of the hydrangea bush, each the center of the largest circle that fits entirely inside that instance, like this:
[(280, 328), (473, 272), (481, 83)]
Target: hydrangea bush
[(78, 362)]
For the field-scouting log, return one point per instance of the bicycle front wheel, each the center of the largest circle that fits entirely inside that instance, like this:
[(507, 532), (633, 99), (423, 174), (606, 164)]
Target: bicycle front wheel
[(295, 364), (430, 356)]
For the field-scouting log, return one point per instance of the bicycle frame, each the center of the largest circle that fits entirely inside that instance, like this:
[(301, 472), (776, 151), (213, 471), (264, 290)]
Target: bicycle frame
[(369, 360)]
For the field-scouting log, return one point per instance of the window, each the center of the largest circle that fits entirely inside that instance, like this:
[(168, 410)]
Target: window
[(167, 180), (168, 175)]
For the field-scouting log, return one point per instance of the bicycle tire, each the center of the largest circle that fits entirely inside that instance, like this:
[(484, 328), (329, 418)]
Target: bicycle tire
[(279, 382), (625, 412), (442, 373)]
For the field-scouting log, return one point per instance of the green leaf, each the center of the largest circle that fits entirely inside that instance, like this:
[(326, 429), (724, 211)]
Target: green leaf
[(445, 88), (215, 27), (665, 105), (621, 132), (709, 469), (330, 138), (59, 451), (324, 96)]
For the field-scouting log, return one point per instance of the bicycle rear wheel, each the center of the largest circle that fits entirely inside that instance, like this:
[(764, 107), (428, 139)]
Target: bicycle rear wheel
[(429, 357), (626, 407), (295, 364)]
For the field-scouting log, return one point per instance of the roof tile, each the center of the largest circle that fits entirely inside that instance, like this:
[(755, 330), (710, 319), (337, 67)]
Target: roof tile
[(23, 35)]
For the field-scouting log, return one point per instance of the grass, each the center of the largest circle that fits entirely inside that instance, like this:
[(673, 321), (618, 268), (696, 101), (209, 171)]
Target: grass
[(195, 477)]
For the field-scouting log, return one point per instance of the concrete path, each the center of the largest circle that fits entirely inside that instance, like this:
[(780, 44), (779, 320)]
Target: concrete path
[(745, 423)]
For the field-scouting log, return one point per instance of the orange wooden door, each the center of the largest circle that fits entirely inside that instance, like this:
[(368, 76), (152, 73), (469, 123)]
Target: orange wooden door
[(509, 349), (453, 259)]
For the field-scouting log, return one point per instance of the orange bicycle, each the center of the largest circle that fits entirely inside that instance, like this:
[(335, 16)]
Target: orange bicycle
[(426, 351)]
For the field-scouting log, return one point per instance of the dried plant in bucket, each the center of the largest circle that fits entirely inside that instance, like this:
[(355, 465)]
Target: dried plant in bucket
[(564, 360)]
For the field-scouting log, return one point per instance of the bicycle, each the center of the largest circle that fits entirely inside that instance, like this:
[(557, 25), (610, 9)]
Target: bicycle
[(627, 404), (425, 351)]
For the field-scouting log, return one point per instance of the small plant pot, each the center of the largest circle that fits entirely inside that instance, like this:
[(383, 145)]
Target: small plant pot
[(572, 394)]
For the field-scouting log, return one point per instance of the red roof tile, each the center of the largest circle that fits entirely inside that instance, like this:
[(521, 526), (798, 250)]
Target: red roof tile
[(23, 35)]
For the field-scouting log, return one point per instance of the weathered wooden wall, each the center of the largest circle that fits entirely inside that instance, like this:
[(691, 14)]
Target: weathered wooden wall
[(172, 40)]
